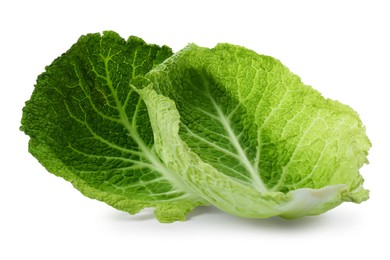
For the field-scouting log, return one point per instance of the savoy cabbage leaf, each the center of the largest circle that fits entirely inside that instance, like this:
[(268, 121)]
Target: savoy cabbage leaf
[(88, 125), (249, 118), (135, 126)]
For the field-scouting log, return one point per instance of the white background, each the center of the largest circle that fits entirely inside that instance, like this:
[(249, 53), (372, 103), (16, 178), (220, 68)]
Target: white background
[(340, 48)]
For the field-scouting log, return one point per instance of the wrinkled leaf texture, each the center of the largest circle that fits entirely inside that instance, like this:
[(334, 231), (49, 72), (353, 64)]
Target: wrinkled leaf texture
[(136, 126)]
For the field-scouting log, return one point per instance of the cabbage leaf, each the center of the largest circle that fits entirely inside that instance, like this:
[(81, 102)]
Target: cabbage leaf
[(136, 126), (89, 126), (283, 149)]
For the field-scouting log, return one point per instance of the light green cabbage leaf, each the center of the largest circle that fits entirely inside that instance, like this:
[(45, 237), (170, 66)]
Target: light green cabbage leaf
[(260, 142)]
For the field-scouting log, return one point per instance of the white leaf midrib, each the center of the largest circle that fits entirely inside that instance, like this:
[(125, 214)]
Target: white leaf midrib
[(149, 155), (240, 153)]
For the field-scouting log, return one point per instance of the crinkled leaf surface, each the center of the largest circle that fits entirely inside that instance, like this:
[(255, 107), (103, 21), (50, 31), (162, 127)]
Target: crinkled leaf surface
[(88, 125), (258, 141), (134, 126)]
